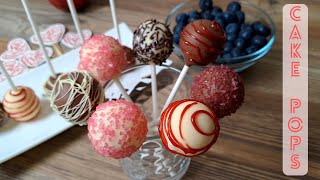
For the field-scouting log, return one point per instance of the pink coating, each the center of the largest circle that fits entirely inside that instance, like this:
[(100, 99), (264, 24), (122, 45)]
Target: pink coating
[(117, 129), (103, 57)]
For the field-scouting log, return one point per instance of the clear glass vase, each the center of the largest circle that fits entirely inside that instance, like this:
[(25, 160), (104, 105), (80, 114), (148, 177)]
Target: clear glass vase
[(152, 160)]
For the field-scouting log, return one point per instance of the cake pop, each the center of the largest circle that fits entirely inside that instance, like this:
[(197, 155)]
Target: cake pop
[(201, 42), (48, 85), (130, 56), (188, 128), (75, 96), (3, 115), (21, 104), (152, 42), (117, 129), (104, 58), (220, 88)]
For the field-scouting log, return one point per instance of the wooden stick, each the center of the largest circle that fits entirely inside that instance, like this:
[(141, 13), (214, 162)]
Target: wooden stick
[(75, 19), (37, 34), (114, 19)]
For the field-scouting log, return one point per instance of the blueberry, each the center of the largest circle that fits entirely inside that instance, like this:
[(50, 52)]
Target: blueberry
[(234, 6), (191, 19), (228, 46), (244, 26), (232, 28), (205, 5), (258, 40), (194, 14), (261, 29), (240, 17), (246, 33), (251, 49), (216, 10), (207, 15), (178, 28), (235, 52), (220, 22), (229, 17), (240, 43), (182, 18), (176, 38), (231, 37)]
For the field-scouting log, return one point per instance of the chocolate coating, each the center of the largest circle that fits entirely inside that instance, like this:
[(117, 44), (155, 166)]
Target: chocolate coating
[(75, 96), (48, 86), (130, 56), (2, 115), (152, 42), (201, 42)]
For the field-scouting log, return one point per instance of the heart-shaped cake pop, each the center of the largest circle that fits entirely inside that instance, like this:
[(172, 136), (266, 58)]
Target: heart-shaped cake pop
[(50, 36), (13, 68), (15, 49), (35, 58), (72, 39)]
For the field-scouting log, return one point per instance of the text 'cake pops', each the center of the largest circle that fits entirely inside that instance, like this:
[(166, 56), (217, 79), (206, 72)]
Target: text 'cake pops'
[(201, 42), (75, 96), (117, 129), (188, 128), (220, 88), (152, 42)]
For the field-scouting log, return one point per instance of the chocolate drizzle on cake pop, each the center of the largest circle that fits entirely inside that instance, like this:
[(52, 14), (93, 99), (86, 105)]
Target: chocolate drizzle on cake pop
[(48, 86), (201, 42), (75, 96), (152, 41)]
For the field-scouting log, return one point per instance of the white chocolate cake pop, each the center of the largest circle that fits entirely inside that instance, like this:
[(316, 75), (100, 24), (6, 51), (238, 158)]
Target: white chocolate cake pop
[(152, 41), (188, 128), (22, 104), (75, 96)]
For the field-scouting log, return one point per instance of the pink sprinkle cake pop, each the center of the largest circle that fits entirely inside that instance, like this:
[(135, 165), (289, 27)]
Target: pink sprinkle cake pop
[(117, 129), (103, 57), (220, 88)]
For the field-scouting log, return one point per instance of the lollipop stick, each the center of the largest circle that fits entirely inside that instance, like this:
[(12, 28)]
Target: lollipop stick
[(36, 32), (176, 86), (6, 74), (154, 88), (114, 18), (75, 19), (122, 90)]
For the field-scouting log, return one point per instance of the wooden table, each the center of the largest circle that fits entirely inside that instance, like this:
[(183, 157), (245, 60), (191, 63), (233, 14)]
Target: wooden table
[(250, 142)]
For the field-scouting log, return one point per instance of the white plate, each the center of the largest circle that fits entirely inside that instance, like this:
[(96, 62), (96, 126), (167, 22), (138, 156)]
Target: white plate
[(15, 137)]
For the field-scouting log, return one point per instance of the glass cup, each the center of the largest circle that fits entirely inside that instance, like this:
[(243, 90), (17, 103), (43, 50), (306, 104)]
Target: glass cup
[(152, 160)]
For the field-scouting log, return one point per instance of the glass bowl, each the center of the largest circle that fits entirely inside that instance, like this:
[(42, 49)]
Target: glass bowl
[(152, 160), (252, 13)]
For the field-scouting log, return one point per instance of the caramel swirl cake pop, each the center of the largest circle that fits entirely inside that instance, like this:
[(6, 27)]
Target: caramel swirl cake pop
[(22, 104), (152, 41), (220, 88), (201, 42), (75, 96), (188, 127), (117, 129)]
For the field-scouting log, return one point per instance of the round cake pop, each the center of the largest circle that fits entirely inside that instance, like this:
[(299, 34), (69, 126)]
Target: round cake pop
[(22, 104), (117, 129), (220, 88), (103, 57), (48, 85), (201, 42), (152, 41), (3, 115), (188, 128), (75, 96), (130, 56)]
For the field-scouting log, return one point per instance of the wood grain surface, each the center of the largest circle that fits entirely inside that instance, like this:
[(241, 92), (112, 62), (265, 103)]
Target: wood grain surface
[(250, 142)]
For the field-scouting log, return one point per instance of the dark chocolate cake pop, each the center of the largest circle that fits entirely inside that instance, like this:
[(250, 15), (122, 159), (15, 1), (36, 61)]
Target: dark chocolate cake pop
[(75, 96)]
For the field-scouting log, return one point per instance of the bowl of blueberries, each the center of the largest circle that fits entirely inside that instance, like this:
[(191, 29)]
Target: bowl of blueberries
[(250, 31)]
